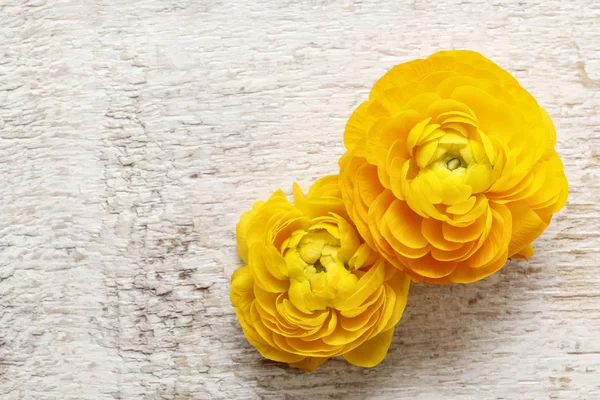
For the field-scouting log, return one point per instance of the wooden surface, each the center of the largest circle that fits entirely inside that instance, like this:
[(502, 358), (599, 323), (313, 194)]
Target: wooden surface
[(134, 133)]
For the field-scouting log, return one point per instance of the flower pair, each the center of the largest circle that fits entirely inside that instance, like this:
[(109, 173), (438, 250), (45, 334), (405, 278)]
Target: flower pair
[(450, 169)]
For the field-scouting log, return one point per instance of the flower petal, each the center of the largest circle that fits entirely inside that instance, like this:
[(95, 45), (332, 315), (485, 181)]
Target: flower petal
[(371, 352), (526, 227), (241, 287), (309, 363)]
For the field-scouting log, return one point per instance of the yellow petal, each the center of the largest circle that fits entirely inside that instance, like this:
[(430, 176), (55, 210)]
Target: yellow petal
[(429, 267), (525, 252), (324, 197), (360, 121), (405, 225), (241, 287), (398, 246), (424, 153), (341, 336), (468, 275), (551, 142), (414, 135), (456, 117), (368, 183), (356, 323), (301, 296), (454, 192), (376, 213), (481, 206), (316, 348), (478, 177), (447, 105), (496, 242), (400, 283), (464, 234), (463, 207), (328, 326), (241, 230), (435, 134), (371, 352), (386, 131), (432, 231), (309, 363), (397, 183), (453, 255), (401, 75), (454, 138), (421, 101), (490, 150), (526, 227), (266, 346), (353, 312), (368, 284), (260, 263)]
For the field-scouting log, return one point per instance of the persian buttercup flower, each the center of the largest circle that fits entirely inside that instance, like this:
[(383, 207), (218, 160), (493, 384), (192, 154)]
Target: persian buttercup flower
[(312, 289), (450, 168)]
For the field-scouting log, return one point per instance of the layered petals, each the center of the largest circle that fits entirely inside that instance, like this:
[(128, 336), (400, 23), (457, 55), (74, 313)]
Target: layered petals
[(450, 168), (312, 287)]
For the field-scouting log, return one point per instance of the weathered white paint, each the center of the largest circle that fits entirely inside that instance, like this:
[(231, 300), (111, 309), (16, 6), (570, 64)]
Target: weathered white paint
[(134, 133)]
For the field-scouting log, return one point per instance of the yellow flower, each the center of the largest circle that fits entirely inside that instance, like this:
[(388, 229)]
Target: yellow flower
[(450, 168), (312, 289)]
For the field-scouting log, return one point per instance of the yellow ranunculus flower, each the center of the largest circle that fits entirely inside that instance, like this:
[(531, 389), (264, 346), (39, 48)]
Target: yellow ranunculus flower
[(312, 289), (450, 168)]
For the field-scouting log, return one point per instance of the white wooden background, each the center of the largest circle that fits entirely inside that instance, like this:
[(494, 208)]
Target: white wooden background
[(134, 133)]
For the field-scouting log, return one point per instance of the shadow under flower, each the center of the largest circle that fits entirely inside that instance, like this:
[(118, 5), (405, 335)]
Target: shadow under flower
[(449, 334)]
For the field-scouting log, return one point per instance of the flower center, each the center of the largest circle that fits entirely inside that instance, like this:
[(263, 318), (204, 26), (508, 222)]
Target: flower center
[(451, 159), (454, 163), (312, 253), (321, 263), (318, 266)]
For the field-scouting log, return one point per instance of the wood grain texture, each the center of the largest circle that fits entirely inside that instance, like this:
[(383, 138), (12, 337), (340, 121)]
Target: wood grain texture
[(134, 133)]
